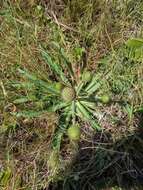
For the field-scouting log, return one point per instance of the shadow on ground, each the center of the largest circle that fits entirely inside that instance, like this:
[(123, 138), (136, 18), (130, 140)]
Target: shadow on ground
[(102, 164)]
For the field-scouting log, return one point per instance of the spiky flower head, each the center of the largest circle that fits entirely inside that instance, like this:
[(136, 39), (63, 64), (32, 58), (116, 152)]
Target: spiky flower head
[(68, 94)]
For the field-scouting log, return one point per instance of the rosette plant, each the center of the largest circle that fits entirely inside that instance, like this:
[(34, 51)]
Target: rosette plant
[(71, 94)]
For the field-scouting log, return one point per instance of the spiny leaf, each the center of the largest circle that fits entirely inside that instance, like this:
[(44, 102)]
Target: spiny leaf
[(95, 124)]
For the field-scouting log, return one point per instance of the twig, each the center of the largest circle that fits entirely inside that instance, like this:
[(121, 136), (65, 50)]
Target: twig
[(61, 24)]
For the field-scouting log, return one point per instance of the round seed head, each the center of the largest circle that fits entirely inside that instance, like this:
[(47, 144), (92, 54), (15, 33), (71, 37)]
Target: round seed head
[(74, 132), (86, 77), (105, 99), (58, 86), (68, 94)]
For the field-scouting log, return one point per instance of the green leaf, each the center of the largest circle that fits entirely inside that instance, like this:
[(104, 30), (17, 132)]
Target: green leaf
[(73, 109), (89, 104), (87, 116), (79, 87), (56, 143), (68, 117), (57, 69), (83, 110), (66, 62), (27, 85), (37, 82), (129, 109), (139, 110), (6, 177), (60, 106), (95, 125), (21, 100), (28, 75), (135, 43), (28, 114), (79, 52), (94, 88), (95, 81)]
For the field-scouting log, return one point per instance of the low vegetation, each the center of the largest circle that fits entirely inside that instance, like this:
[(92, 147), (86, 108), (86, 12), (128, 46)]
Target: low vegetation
[(71, 94)]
